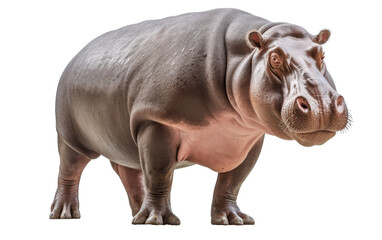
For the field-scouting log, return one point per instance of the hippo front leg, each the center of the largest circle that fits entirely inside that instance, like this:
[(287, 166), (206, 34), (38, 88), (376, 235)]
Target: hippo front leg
[(224, 209), (157, 146)]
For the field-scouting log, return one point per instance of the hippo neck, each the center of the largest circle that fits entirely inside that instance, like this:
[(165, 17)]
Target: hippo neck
[(238, 83)]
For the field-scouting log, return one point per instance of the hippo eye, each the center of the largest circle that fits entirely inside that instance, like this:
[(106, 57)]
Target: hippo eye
[(275, 60)]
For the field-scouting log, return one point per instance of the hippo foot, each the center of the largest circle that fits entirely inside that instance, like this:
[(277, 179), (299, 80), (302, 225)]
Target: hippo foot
[(65, 204), (150, 215), (229, 214)]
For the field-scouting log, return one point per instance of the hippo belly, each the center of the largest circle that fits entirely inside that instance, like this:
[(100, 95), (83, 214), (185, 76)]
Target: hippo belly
[(221, 146)]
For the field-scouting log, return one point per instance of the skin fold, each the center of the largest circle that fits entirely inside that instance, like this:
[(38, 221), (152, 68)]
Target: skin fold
[(199, 88)]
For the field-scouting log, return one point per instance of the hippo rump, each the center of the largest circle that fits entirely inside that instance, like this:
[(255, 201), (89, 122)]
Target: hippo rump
[(199, 88)]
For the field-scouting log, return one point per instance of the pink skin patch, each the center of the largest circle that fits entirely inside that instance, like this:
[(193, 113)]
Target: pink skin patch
[(221, 146)]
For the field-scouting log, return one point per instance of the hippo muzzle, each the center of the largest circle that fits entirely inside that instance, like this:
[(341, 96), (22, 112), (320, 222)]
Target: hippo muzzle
[(313, 110)]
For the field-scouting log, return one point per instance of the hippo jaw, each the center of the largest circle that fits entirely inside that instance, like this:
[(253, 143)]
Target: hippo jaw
[(314, 138)]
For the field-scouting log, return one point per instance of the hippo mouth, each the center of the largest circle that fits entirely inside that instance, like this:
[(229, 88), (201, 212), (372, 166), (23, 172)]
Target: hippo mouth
[(314, 138)]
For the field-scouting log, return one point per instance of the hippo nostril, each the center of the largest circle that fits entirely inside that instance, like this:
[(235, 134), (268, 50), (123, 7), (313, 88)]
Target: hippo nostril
[(340, 104), (302, 104)]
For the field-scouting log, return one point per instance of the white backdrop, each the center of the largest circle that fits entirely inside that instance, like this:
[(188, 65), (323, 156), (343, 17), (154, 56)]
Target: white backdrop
[(327, 192)]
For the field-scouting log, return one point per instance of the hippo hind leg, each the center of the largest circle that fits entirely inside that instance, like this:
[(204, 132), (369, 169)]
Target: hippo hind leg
[(65, 204), (132, 180)]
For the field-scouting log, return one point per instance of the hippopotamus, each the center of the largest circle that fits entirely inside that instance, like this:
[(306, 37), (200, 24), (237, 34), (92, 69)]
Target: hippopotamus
[(200, 88)]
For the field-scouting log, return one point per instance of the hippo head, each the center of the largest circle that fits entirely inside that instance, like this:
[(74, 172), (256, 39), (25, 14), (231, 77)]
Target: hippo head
[(291, 90)]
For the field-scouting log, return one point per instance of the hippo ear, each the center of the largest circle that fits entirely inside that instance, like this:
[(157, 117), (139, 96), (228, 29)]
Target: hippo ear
[(255, 39), (322, 37)]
